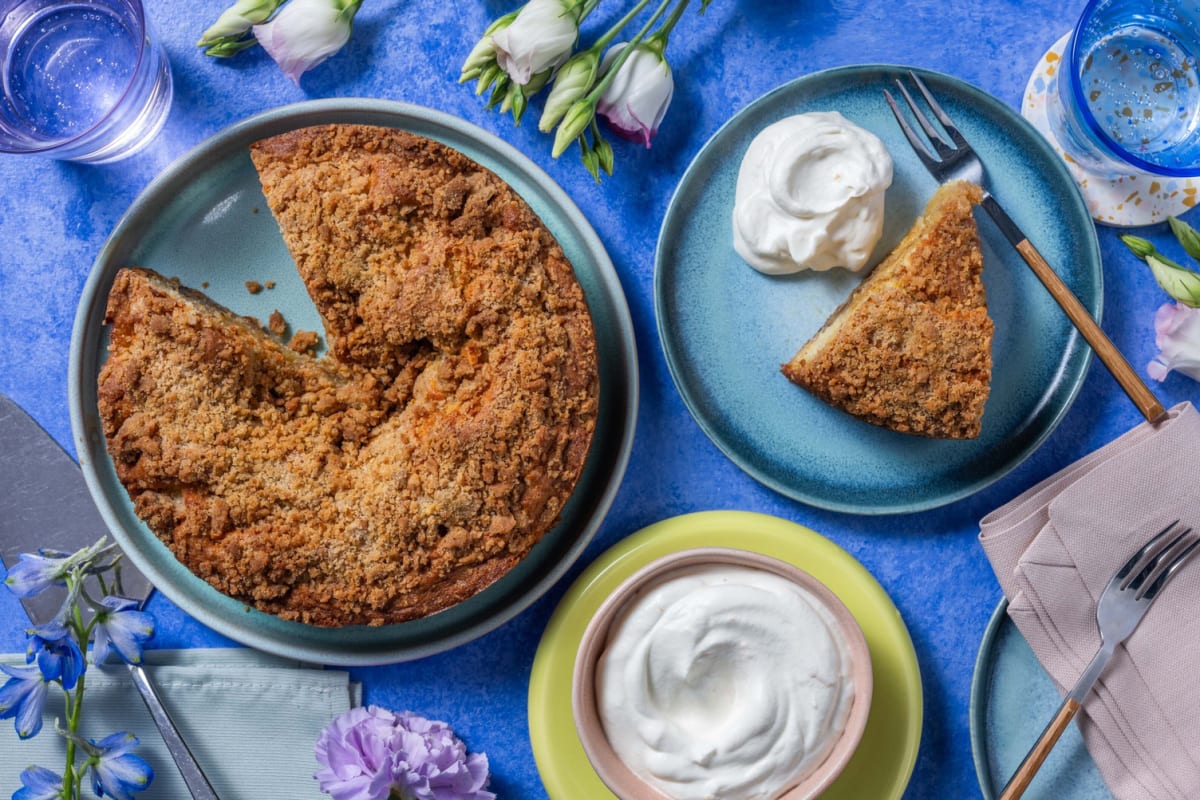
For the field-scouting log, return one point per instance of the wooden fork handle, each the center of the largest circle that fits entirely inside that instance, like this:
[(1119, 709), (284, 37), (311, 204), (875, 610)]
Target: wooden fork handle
[(1103, 347), (1021, 779)]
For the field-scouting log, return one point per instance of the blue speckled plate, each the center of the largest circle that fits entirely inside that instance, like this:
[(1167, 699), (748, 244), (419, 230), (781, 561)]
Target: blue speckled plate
[(726, 328), (1012, 699), (206, 221)]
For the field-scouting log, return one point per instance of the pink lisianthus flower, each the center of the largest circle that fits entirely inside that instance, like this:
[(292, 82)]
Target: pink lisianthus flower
[(372, 754), (1177, 336), (306, 32), (636, 99)]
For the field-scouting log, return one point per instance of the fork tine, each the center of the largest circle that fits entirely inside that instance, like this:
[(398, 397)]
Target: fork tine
[(1124, 572), (1149, 566), (935, 137), (1164, 571), (918, 146), (941, 115)]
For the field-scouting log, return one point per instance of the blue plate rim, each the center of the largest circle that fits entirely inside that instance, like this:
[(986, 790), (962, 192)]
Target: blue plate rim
[(976, 711), (765, 478), (89, 440)]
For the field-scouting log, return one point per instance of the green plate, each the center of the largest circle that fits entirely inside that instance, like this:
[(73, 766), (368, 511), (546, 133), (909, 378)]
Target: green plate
[(205, 220), (881, 766)]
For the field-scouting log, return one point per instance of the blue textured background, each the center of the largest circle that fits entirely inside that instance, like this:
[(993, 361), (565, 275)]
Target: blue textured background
[(54, 218)]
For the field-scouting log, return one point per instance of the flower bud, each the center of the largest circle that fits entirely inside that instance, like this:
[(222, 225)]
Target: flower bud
[(483, 54), (1140, 247), (591, 161), (604, 152), (1188, 236), (572, 82), (576, 121), (238, 19)]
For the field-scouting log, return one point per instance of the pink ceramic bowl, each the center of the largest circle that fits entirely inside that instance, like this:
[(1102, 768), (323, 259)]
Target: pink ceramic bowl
[(619, 778)]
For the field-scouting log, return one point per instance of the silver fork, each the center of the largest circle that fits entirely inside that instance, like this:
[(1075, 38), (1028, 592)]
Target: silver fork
[(1122, 605), (956, 160)]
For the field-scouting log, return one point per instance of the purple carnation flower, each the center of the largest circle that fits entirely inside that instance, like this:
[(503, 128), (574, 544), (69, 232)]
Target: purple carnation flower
[(369, 753)]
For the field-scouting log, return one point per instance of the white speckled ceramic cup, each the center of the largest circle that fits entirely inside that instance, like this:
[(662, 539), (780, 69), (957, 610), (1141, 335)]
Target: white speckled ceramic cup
[(615, 774)]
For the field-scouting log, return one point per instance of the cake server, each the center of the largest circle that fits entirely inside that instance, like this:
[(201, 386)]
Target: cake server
[(46, 505)]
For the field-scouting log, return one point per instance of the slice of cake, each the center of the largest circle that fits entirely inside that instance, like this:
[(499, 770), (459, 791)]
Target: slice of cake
[(911, 348)]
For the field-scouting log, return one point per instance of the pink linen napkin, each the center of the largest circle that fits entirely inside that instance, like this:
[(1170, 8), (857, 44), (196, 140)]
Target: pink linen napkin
[(1055, 547)]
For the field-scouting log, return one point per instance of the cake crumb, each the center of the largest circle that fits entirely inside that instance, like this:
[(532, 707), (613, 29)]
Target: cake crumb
[(270, 284), (204, 285), (304, 342), (277, 324), (253, 287)]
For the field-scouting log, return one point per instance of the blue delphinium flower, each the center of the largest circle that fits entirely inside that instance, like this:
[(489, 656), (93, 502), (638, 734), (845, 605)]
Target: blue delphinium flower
[(39, 783), (121, 628), (22, 697), (36, 572), (58, 656), (115, 771)]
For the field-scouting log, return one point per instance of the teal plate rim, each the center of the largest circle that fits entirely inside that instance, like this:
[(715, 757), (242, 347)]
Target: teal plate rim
[(980, 682), (1074, 776), (818, 488), (225, 154)]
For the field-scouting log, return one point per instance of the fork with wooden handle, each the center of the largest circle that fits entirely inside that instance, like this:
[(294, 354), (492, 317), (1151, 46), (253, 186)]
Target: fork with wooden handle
[(956, 160), (1122, 605)]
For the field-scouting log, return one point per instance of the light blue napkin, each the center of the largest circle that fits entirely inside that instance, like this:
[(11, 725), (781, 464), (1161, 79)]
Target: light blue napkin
[(250, 719)]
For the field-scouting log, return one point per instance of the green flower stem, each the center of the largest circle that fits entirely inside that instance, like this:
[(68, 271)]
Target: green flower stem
[(72, 781), (660, 36), (612, 32), (588, 6)]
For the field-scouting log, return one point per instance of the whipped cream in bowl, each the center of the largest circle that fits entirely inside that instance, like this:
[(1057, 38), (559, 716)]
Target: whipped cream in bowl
[(810, 195), (721, 673)]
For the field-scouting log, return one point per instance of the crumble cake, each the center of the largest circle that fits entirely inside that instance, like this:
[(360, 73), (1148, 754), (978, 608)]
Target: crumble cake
[(910, 349), (425, 454)]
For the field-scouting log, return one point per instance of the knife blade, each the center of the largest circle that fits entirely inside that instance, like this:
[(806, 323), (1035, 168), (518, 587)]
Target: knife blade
[(47, 506)]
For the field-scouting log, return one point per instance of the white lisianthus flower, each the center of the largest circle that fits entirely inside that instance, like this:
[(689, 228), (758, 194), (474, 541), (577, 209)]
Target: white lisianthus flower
[(1177, 336), (636, 99), (306, 32), (539, 39)]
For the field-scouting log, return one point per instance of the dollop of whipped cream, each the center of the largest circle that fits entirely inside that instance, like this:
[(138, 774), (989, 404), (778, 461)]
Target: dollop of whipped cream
[(726, 682), (810, 195)]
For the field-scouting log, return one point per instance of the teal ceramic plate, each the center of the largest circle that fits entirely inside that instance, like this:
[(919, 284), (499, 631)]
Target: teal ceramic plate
[(206, 221), (726, 328), (1012, 699)]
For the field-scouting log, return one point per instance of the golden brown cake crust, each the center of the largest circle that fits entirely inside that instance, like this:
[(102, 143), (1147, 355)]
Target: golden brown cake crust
[(910, 349), (420, 460)]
